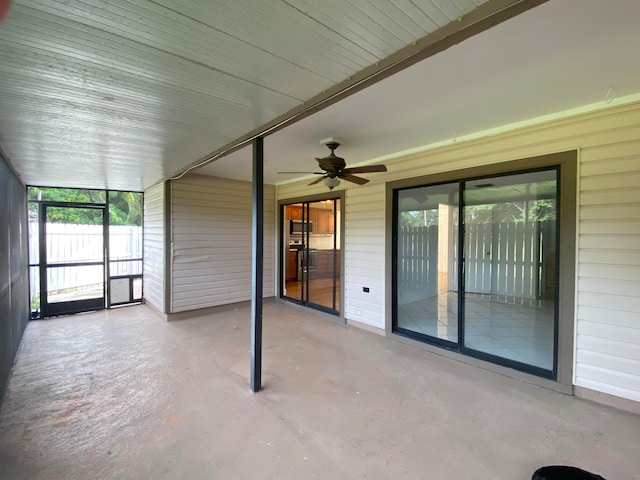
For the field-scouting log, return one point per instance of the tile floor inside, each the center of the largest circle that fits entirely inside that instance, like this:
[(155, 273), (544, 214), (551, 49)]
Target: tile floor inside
[(507, 327)]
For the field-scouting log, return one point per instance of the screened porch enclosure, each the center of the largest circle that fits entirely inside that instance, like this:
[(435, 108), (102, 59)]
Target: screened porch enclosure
[(498, 303), (85, 250)]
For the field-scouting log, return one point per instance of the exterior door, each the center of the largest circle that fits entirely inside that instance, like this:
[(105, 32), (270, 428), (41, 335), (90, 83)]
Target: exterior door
[(475, 265), (311, 254), (72, 270)]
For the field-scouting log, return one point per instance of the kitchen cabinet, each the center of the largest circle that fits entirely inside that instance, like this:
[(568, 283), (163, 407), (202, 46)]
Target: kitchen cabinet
[(321, 219), (313, 217), (292, 265), (293, 212), (324, 222)]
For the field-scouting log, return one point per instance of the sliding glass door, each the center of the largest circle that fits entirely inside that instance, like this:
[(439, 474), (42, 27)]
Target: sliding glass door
[(311, 254), (475, 267), (426, 274), (510, 264)]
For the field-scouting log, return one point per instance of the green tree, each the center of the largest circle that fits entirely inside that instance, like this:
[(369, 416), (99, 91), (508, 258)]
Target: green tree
[(524, 211), (125, 208), (419, 218)]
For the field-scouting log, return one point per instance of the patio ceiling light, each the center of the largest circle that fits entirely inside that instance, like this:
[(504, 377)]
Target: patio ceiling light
[(331, 182)]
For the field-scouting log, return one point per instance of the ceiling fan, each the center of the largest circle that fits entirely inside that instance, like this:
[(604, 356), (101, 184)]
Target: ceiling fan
[(334, 169)]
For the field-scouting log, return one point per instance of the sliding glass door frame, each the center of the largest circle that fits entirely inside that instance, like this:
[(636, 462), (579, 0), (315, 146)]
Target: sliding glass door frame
[(337, 264), (525, 367), (460, 345)]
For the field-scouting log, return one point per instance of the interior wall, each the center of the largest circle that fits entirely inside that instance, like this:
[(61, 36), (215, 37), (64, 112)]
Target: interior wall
[(607, 352), (14, 268), (211, 242)]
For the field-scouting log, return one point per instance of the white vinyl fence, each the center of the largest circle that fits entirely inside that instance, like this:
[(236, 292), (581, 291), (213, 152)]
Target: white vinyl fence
[(503, 259), (510, 258), (69, 243)]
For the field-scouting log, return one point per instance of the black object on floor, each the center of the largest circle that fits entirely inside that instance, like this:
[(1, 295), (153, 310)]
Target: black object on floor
[(563, 472)]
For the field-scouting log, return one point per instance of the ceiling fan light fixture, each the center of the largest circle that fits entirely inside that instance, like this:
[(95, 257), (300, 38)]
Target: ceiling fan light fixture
[(331, 182)]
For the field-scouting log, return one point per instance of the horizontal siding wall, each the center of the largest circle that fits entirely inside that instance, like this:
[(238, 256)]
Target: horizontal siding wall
[(608, 286), (364, 241), (211, 242), (154, 247), (608, 337)]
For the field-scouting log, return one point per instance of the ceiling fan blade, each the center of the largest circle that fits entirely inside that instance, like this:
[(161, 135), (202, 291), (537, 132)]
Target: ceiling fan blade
[(366, 169), (308, 173), (352, 178), (317, 180)]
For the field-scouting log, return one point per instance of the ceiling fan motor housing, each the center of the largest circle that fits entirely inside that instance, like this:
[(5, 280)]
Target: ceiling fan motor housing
[(332, 164)]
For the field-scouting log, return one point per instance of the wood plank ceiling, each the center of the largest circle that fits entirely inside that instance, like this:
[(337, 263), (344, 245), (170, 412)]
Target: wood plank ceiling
[(122, 94)]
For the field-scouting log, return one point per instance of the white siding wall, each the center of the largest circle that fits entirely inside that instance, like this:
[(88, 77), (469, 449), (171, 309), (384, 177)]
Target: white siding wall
[(211, 242), (364, 254), (608, 341), (154, 247), (608, 288)]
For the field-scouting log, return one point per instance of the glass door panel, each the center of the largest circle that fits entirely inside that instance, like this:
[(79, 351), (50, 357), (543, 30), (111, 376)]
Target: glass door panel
[(510, 264), (72, 273), (477, 273), (292, 246), (426, 272), (321, 256), (311, 254)]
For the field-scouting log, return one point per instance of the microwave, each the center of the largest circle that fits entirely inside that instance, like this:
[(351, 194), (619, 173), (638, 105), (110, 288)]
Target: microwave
[(298, 227)]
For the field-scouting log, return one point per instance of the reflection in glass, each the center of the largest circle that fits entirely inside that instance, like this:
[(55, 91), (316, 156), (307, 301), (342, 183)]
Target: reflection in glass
[(427, 223)]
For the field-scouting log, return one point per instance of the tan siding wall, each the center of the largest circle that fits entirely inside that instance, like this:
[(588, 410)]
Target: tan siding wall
[(211, 242), (608, 286), (153, 245)]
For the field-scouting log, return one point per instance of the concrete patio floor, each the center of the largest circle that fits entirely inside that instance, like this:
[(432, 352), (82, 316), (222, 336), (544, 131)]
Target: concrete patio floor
[(121, 394)]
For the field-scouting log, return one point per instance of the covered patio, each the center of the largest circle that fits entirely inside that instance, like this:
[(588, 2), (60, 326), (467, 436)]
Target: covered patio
[(122, 394)]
